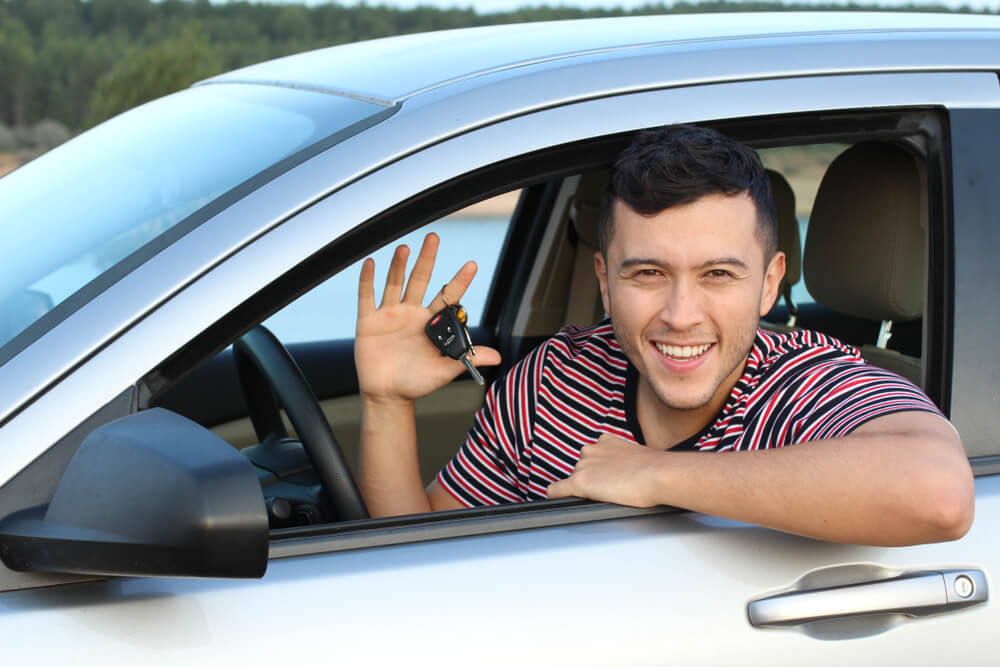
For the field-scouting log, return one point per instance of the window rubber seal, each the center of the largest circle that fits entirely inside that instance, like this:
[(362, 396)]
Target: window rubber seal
[(361, 534)]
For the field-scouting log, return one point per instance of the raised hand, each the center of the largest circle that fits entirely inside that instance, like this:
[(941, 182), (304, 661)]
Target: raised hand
[(394, 358)]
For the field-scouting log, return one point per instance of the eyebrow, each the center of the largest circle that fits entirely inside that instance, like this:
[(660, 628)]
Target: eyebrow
[(716, 261)]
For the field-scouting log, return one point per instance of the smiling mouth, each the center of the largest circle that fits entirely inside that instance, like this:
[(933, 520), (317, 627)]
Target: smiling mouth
[(682, 352)]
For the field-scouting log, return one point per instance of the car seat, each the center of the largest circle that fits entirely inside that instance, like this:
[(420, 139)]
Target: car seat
[(865, 249)]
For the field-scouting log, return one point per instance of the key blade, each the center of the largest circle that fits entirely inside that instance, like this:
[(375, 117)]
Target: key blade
[(473, 371)]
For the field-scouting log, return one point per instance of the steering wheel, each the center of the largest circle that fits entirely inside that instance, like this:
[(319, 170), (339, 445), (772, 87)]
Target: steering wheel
[(269, 377)]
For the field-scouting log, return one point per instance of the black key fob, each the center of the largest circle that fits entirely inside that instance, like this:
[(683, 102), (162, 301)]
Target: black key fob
[(448, 333)]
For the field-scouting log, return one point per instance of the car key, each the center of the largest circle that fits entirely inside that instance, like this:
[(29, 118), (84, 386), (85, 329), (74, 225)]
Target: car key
[(449, 334)]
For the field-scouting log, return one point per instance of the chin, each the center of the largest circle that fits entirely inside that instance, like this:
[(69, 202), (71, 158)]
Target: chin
[(685, 400), (685, 405)]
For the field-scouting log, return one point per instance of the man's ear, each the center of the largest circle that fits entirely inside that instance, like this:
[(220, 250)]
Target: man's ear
[(601, 269), (772, 281)]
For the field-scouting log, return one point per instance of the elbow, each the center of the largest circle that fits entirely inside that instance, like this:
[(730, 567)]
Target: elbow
[(949, 505), (957, 514), (942, 491)]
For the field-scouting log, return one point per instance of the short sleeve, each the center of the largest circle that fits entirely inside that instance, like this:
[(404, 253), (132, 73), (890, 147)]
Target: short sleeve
[(847, 395), (488, 469)]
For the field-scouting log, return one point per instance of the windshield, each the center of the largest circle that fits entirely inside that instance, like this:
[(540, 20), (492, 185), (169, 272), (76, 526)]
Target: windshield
[(70, 215)]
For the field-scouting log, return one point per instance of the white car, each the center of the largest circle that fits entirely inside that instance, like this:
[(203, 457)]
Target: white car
[(150, 517)]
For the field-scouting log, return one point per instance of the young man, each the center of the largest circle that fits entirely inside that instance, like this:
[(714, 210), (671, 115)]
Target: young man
[(626, 411)]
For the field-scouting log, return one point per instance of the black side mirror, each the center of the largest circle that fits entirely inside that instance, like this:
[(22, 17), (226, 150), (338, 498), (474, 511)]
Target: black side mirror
[(151, 494)]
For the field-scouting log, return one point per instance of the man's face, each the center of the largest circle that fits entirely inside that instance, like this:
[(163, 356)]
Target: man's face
[(685, 289)]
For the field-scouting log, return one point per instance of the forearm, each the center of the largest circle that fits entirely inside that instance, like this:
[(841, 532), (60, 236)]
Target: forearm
[(899, 479), (864, 489), (389, 470)]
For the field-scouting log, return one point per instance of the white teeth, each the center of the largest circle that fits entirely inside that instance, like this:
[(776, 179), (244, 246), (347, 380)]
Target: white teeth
[(682, 352)]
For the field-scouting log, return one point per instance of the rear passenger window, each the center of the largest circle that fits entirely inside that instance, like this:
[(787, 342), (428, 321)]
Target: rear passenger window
[(856, 270), (802, 168)]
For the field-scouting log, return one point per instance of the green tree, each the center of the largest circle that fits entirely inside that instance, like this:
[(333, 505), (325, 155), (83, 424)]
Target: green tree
[(36, 13), (17, 63), (293, 23), (145, 74), (125, 17), (68, 67)]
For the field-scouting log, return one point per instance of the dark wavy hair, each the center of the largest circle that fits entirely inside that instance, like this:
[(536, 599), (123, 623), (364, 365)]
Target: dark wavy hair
[(678, 164)]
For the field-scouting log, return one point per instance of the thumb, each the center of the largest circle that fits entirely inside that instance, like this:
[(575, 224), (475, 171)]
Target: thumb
[(485, 356), (561, 489)]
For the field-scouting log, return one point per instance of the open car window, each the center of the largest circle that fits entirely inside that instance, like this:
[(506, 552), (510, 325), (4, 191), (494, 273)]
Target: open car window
[(473, 233), (536, 285)]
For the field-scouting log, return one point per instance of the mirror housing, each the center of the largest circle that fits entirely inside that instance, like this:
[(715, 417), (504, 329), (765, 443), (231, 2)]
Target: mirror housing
[(151, 494)]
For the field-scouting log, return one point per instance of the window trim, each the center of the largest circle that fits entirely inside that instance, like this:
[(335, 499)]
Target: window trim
[(973, 202), (347, 536)]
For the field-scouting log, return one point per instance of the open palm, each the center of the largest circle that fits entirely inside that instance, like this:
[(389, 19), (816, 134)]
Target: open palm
[(394, 357)]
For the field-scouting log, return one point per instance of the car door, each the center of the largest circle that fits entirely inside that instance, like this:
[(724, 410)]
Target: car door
[(567, 581)]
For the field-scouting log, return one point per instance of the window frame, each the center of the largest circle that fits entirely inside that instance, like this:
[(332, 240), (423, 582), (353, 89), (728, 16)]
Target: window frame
[(533, 171), (973, 200)]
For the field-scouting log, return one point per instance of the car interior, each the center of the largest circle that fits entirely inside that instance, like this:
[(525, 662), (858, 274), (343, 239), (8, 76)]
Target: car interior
[(868, 209)]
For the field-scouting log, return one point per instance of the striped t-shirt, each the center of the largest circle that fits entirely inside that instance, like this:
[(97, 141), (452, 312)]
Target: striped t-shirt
[(796, 387)]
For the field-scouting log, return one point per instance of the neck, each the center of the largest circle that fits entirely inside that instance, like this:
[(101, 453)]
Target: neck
[(664, 426)]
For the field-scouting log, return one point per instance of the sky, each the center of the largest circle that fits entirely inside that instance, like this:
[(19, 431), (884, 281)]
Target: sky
[(487, 6)]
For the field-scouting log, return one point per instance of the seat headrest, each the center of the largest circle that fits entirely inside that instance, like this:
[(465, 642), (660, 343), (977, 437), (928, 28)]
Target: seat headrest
[(789, 240), (864, 252), (585, 207)]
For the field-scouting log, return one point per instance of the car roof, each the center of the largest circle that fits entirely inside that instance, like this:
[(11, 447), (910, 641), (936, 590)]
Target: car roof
[(387, 71)]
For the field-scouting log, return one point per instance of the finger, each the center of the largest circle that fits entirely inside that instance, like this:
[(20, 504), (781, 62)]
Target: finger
[(397, 274), (485, 356), (366, 288), (422, 269), (455, 288)]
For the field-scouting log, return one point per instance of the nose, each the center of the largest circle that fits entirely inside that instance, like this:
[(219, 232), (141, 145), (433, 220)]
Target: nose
[(682, 307)]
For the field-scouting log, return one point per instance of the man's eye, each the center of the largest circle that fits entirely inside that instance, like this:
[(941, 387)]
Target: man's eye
[(719, 274), (646, 274)]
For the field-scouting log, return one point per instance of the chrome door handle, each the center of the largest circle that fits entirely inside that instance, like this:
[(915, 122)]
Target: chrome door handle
[(913, 594)]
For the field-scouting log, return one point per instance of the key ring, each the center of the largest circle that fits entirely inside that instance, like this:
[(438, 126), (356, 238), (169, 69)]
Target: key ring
[(457, 307)]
